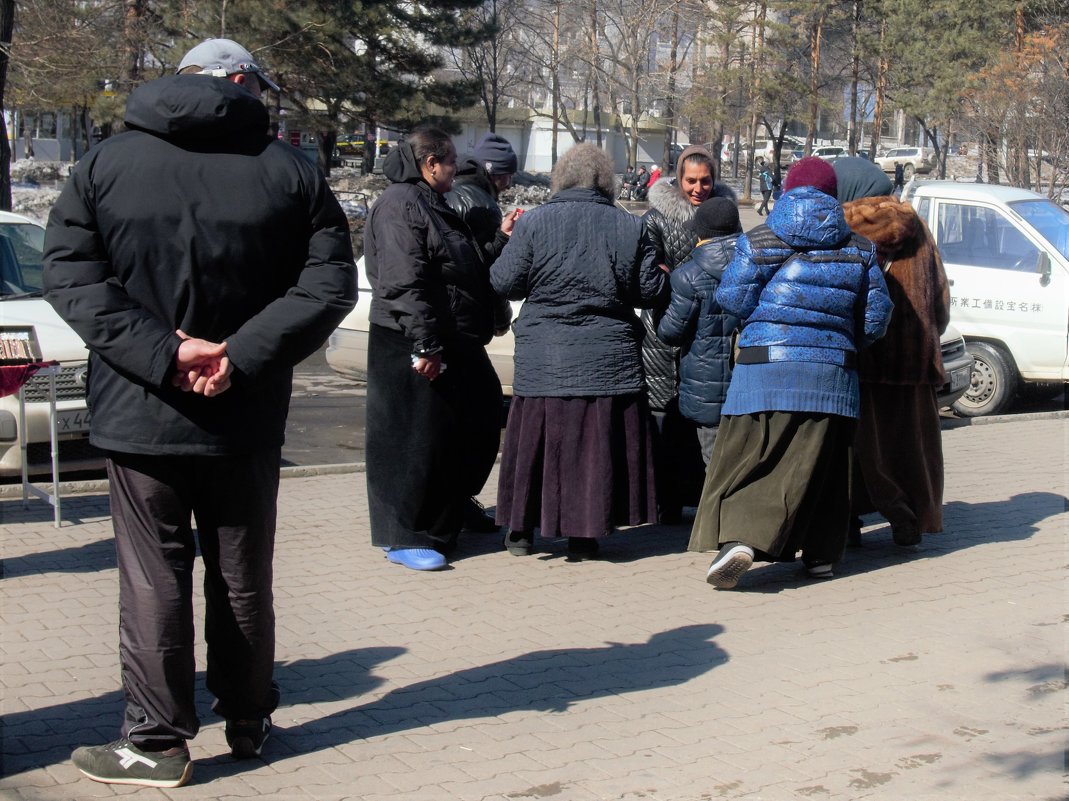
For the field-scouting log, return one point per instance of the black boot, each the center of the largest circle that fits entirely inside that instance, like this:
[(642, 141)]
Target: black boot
[(476, 519), (580, 548)]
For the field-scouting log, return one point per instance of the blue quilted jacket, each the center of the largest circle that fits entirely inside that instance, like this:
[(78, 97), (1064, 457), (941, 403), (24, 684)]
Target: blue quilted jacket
[(810, 293), (695, 322), (581, 266)]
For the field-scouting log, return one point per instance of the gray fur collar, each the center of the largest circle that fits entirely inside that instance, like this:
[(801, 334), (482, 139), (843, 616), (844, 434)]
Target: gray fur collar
[(666, 198)]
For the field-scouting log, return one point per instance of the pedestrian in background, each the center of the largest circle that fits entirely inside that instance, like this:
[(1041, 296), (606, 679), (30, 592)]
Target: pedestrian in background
[(899, 446), (768, 183), (199, 259), (576, 459), (696, 324), (810, 294), (433, 400), (900, 179), (642, 183), (481, 178), (630, 179), (677, 449), (655, 174)]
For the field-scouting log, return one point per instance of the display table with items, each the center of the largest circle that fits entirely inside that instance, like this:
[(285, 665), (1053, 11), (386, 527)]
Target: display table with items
[(20, 360)]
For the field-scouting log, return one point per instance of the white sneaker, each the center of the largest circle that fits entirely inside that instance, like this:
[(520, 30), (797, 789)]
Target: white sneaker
[(733, 560), (820, 571)]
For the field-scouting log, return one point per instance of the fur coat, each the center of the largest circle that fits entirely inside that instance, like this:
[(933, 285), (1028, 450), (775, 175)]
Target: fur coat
[(909, 352)]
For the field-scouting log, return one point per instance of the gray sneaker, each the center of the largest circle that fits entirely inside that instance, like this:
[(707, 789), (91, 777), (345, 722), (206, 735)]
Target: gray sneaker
[(122, 762), (733, 560)]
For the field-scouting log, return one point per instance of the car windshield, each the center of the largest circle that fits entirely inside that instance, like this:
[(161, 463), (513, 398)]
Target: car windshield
[(1050, 219), (21, 250)]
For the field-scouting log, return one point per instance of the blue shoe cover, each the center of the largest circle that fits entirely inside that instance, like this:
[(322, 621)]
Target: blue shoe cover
[(417, 558)]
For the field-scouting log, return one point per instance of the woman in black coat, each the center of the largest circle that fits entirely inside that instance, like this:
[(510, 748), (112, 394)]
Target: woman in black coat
[(434, 401), (576, 458)]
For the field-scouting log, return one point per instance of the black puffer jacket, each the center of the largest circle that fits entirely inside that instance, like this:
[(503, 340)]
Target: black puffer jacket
[(582, 266), (428, 278), (666, 224), (695, 322), (196, 219)]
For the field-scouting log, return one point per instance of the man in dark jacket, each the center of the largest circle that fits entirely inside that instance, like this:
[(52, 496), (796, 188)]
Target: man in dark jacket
[(200, 259), (481, 178)]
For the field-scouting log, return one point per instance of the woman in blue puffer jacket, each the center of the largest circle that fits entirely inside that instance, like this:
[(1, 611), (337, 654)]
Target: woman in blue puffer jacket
[(810, 294)]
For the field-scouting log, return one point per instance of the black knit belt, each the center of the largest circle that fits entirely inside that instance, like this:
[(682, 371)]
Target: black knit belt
[(763, 354)]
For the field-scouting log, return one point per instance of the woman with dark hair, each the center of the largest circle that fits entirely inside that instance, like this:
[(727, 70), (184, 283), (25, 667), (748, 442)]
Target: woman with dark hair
[(677, 447), (899, 447), (576, 459), (434, 401)]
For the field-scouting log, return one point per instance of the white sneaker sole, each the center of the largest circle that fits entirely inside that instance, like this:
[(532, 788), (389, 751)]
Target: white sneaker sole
[(725, 572), (164, 784)]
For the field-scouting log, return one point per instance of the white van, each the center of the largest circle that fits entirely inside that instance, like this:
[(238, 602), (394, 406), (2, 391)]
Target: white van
[(1006, 254)]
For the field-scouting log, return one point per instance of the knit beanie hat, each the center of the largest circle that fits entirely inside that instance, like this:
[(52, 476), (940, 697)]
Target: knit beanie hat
[(496, 154), (717, 216), (695, 150), (811, 171), (858, 177)]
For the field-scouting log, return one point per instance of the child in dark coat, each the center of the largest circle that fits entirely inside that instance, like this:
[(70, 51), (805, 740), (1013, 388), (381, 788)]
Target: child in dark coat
[(696, 323)]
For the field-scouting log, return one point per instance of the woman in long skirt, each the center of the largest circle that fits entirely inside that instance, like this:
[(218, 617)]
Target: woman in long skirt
[(576, 460)]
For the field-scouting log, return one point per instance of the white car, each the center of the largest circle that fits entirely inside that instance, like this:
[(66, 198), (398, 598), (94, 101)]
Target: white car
[(22, 306), (347, 348), (914, 160), (1006, 255)]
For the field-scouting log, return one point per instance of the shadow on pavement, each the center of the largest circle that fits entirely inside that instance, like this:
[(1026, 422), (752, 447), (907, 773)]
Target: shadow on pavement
[(543, 681), (37, 738), (87, 558), (964, 525)]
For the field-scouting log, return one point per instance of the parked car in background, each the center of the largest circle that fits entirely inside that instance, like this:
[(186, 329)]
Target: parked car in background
[(347, 346), (914, 160), (830, 152), (1006, 254), (347, 349), (765, 151), (22, 306)]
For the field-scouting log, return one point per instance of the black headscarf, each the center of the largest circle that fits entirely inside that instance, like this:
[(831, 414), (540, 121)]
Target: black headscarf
[(857, 177)]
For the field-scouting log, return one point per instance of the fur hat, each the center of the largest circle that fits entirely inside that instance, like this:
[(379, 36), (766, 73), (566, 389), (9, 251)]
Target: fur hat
[(811, 171), (717, 216), (496, 154)]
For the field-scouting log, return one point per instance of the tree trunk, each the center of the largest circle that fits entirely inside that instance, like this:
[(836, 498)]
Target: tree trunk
[(555, 81), (595, 68), (881, 90), (852, 137), (816, 37), (132, 42), (7, 26)]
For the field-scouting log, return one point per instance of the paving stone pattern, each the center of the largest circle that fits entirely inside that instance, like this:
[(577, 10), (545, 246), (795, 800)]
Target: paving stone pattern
[(928, 673)]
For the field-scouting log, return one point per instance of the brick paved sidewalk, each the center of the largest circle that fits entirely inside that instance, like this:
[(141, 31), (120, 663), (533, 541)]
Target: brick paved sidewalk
[(934, 673)]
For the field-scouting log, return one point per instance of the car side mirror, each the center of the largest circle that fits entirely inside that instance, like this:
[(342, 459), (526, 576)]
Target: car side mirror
[(1043, 268)]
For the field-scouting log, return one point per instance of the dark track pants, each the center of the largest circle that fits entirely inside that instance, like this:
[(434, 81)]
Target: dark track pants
[(153, 502)]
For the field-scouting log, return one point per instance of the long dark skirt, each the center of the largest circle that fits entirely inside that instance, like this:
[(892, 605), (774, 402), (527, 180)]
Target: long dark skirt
[(778, 482), (430, 444), (899, 453), (575, 467)]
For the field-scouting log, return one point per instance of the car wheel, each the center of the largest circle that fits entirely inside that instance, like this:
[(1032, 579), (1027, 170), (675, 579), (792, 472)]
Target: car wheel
[(993, 385)]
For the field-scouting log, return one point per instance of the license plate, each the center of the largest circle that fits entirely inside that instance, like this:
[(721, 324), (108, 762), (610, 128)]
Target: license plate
[(75, 421)]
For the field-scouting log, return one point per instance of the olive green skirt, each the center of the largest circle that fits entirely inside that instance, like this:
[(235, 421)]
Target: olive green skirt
[(780, 483)]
